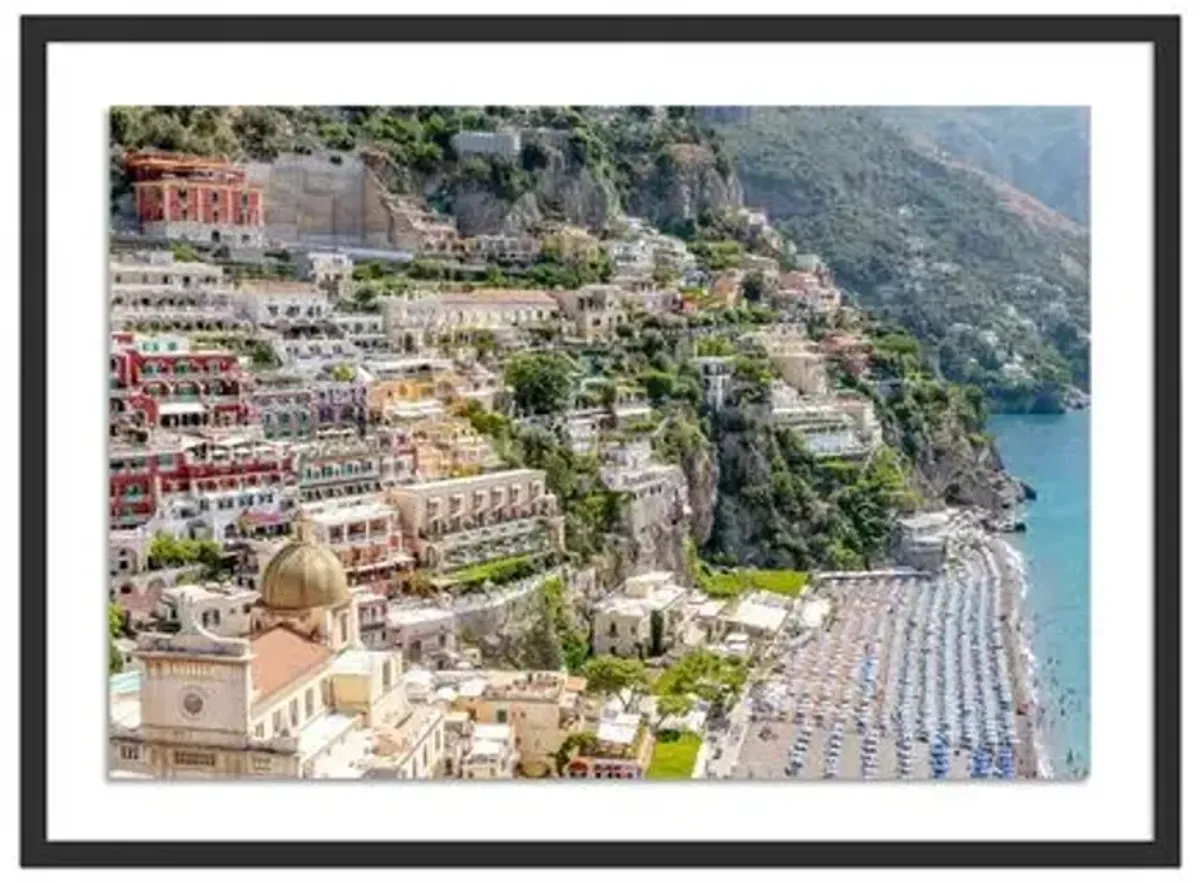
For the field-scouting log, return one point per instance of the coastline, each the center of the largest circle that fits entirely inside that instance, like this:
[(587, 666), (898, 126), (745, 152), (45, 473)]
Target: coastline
[(1033, 760)]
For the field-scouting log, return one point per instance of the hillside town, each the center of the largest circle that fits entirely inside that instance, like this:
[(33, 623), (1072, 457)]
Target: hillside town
[(392, 501)]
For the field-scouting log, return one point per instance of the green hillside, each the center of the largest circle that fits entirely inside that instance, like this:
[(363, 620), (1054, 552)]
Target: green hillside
[(995, 289), (1044, 151)]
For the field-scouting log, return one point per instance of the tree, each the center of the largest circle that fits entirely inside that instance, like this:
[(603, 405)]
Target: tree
[(116, 626), (612, 675), (166, 551), (343, 373), (659, 385), (754, 287), (366, 297), (715, 678), (585, 740), (663, 276), (541, 382), (674, 704)]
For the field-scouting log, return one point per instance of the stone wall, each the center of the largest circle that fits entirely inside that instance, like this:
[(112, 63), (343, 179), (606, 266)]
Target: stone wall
[(318, 200)]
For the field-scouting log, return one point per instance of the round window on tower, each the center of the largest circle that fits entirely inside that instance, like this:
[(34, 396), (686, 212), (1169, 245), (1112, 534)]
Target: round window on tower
[(193, 703)]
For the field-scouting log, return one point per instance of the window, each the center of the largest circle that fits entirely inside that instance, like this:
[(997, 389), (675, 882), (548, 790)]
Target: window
[(344, 627), (195, 758), (387, 675), (131, 752), (277, 722), (501, 715), (294, 712), (308, 703), (260, 731)]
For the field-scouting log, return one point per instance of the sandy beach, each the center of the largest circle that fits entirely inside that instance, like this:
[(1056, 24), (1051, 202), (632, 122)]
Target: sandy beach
[(912, 677), (1032, 761)]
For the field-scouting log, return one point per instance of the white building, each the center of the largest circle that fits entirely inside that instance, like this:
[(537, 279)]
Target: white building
[(491, 752), (331, 271), (645, 620), (281, 303), (842, 426), (158, 270), (313, 355), (654, 493), (426, 321), (716, 376), (222, 609), (424, 634), (759, 615), (503, 143)]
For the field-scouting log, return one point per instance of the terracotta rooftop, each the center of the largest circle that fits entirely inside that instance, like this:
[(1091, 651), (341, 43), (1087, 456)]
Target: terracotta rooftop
[(281, 657)]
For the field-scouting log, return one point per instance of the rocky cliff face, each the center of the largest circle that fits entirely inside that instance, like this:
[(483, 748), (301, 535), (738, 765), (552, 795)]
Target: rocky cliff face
[(653, 532), (560, 189), (953, 470), (655, 547), (700, 469), (685, 183)]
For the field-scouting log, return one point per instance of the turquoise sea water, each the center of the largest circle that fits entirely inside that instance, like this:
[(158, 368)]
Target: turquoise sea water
[(1051, 452)]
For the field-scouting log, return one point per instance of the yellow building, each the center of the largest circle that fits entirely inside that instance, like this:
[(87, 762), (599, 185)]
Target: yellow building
[(473, 383), (573, 244), (297, 697), (382, 395), (449, 447), (542, 707)]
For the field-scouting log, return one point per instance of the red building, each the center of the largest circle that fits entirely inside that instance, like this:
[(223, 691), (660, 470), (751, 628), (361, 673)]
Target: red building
[(208, 472), (197, 198), (161, 382)]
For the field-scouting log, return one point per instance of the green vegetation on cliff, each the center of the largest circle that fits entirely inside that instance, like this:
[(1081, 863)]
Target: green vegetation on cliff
[(663, 163)]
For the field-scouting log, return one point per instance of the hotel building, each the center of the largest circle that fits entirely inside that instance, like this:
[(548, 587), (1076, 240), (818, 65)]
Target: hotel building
[(458, 522), (200, 485), (366, 538), (413, 324), (201, 199), (162, 382)]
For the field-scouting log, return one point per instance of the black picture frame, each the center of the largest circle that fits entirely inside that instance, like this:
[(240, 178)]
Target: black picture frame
[(1162, 32)]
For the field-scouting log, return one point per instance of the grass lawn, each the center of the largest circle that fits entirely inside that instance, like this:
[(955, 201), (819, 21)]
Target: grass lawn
[(731, 583), (674, 759), (499, 571)]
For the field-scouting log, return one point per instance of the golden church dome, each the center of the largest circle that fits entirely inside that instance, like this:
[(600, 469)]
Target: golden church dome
[(303, 574)]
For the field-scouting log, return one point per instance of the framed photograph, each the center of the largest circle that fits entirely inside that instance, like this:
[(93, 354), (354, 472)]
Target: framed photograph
[(760, 435)]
